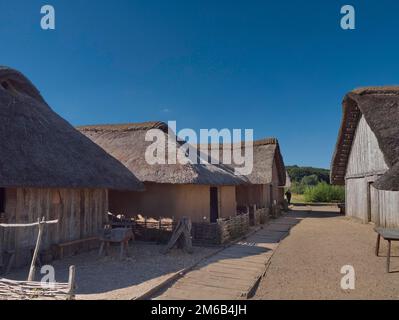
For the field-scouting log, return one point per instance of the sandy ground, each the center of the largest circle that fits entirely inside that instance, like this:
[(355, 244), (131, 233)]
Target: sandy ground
[(109, 278), (308, 262)]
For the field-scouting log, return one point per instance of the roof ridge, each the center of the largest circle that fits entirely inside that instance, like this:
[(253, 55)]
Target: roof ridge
[(261, 142), (266, 141), (381, 90), (123, 127)]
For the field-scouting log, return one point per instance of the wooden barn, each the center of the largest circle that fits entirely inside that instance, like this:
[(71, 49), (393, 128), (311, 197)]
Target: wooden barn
[(267, 179), (366, 157), (204, 193), (49, 169)]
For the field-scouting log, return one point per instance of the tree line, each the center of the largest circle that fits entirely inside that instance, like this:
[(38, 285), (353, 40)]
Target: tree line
[(313, 184)]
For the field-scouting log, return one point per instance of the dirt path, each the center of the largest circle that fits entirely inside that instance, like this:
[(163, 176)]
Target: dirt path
[(307, 264), (108, 278)]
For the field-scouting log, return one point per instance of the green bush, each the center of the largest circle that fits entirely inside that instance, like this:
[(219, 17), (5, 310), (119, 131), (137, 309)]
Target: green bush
[(324, 192)]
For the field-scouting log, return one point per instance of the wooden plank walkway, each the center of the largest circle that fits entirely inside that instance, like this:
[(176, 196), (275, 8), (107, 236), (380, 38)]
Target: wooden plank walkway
[(234, 272)]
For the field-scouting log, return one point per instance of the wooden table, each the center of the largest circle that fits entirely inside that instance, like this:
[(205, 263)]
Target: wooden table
[(388, 235), (117, 235)]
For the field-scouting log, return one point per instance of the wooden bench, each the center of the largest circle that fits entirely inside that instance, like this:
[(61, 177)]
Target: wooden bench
[(61, 247), (388, 235)]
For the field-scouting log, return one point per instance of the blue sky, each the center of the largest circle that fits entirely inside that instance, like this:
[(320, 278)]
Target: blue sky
[(280, 68)]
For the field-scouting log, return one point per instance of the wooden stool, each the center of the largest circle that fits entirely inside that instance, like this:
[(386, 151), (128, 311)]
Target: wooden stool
[(388, 235)]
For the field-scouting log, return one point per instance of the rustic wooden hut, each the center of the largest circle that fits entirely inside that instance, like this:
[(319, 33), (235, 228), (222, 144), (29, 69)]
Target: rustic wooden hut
[(49, 169), (366, 157), (202, 192), (268, 176)]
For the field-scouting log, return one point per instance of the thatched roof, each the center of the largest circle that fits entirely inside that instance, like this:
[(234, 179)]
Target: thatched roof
[(126, 142), (40, 149), (380, 108), (266, 152)]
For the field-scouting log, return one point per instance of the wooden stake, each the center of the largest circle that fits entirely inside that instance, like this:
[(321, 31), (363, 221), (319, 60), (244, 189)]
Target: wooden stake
[(71, 283), (1, 249)]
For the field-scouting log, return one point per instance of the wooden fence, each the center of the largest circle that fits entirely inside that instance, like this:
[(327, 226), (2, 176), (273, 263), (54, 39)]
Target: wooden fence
[(33, 290), (261, 216), (203, 233), (233, 228), (149, 229)]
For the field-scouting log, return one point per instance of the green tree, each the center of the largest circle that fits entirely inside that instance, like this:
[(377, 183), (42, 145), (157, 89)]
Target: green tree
[(311, 180), (297, 173)]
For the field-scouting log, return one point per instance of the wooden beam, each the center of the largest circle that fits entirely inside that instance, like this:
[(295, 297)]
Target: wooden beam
[(31, 276)]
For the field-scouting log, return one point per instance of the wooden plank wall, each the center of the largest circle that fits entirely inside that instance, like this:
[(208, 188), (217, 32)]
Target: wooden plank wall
[(366, 163), (356, 198), (81, 213), (388, 209), (384, 205), (366, 157)]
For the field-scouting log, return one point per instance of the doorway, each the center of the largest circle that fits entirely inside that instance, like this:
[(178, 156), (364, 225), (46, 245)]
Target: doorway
[(372, 203), (2, 200), (214, 214)]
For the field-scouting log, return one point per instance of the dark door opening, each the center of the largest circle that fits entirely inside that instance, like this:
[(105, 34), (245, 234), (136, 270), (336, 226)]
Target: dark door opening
[(2, 200), (214, 205)]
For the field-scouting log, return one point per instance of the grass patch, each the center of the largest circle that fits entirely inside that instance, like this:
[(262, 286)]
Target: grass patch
[(298, 198)]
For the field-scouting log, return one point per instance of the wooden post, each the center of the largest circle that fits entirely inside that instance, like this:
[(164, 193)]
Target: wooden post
[(1, 248), (100, 252), (31, 276), (377, 246), (122, 250), (145, 228), (388, 255), (71, 283), (160, 228)]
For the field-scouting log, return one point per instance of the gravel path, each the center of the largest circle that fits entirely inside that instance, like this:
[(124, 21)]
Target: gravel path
[(109, 278), (307, 264)]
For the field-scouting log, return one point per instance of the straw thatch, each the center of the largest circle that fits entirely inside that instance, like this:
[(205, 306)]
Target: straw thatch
[(266, 152), (380, 108), (126, 142), (40, 149)]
